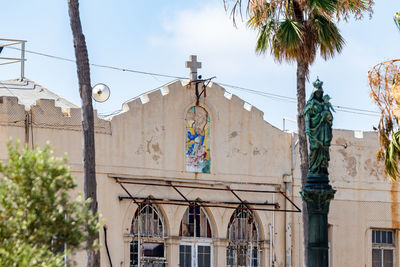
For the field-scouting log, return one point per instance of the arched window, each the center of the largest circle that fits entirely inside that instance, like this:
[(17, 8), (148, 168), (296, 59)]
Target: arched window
[(147, 229), (197, 140), (196, 246), (243, 238)]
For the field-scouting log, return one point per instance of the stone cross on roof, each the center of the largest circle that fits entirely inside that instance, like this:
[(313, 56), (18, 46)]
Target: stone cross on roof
[(193, 65)]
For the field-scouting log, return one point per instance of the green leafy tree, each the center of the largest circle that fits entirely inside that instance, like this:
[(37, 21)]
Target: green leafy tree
[(397, 20), (296, 31), (17, 253), (38, 217)]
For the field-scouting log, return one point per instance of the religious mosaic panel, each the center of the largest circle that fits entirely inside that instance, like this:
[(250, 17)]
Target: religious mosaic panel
[(198, 140)]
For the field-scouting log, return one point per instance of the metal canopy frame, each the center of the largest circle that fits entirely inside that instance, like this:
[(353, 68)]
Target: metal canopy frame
[(254, 206)]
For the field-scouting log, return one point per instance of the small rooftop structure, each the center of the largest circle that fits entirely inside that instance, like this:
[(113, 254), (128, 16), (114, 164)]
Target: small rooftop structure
[(28, 92)]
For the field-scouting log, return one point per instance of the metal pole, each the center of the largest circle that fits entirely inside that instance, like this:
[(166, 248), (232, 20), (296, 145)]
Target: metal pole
[(251, 243), (270, 245), (11, 40), (195, 252), (22, 60), (139, 218), (139, 229), (273, 234)]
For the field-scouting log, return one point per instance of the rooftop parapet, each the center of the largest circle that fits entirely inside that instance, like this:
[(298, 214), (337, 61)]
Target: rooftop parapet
[(45, 114)]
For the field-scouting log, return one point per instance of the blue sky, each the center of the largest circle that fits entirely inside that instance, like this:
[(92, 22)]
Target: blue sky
[(158, 36)]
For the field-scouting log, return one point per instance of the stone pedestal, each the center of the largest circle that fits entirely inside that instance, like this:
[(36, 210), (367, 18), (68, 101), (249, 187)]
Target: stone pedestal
[(317, 194)]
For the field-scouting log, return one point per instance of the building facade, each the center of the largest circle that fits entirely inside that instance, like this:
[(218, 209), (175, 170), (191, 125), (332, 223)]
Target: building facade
[(205, 181)]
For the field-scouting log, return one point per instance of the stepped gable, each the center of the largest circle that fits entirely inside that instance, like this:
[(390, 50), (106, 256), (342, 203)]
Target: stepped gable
[(46, 114), (142, 99), (173, 88), (11, 112), (47, 109), (241, 140)]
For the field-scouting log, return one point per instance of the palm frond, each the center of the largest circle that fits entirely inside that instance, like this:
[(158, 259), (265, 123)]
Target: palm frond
[(324, 6), (356, 8), (265, 36), (397, 20), (385, 92), (236, 9), (328, 36), (392, 157), (290, 33), (294, 30), (260, 12), (391, 163)]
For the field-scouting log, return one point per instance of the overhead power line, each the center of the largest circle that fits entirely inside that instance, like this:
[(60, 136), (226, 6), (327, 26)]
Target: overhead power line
[(294, 100), (243, 89), (99, 65)]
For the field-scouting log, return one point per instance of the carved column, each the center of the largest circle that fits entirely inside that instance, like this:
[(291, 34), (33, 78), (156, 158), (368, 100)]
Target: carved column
[(318, 198)]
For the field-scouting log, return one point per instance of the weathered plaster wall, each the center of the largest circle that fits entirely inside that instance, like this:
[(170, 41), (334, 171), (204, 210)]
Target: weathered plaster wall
[(148, 141), (365, 199), (150, 138)]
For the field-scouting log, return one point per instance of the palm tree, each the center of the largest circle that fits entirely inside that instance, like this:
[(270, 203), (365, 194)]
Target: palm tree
[(384, 80), (85, 90), (295, 31)]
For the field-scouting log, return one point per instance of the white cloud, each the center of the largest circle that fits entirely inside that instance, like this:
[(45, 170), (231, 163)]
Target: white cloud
[(209, 29), (210, 34)]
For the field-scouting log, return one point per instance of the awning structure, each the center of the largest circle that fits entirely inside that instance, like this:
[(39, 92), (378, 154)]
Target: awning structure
[(184, 201)]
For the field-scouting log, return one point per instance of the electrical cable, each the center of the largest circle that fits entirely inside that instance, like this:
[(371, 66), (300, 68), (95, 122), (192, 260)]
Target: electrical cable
[(105, 241), (248, 90), (99, 65), (294, 100)]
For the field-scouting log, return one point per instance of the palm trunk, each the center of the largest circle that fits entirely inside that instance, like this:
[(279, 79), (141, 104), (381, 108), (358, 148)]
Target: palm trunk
[(301, 101), (85, 90)]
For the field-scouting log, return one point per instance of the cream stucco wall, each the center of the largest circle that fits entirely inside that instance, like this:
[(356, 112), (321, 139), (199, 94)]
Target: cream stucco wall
[(147, 142)]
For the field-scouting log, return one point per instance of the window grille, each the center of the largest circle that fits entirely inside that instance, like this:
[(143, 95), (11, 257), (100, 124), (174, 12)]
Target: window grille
[(133, 255), (185, 256), (195, 217), (383, 248), (243, 237), (151, 222), (382, 237), (203, 256), (195, 229), (151, 251)]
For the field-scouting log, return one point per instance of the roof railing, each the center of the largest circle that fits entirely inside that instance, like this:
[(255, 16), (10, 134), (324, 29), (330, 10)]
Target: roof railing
[(11, 60)]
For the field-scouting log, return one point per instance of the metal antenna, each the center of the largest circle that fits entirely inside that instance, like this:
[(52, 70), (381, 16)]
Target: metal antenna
[(10, 60)]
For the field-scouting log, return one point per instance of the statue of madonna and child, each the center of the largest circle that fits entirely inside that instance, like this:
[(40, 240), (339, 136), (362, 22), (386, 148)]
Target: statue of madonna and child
[(317, 192), (318, 126)]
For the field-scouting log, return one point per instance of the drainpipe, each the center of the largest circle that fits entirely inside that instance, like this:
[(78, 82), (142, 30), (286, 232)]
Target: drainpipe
[(105, 241), (27, 119), (294, 144), (292, 223), (288, 218), (287, 222), (270, 245), (273, 231)]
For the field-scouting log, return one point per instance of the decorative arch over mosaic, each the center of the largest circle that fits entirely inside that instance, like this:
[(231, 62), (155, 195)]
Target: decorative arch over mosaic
[(197, 140)]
